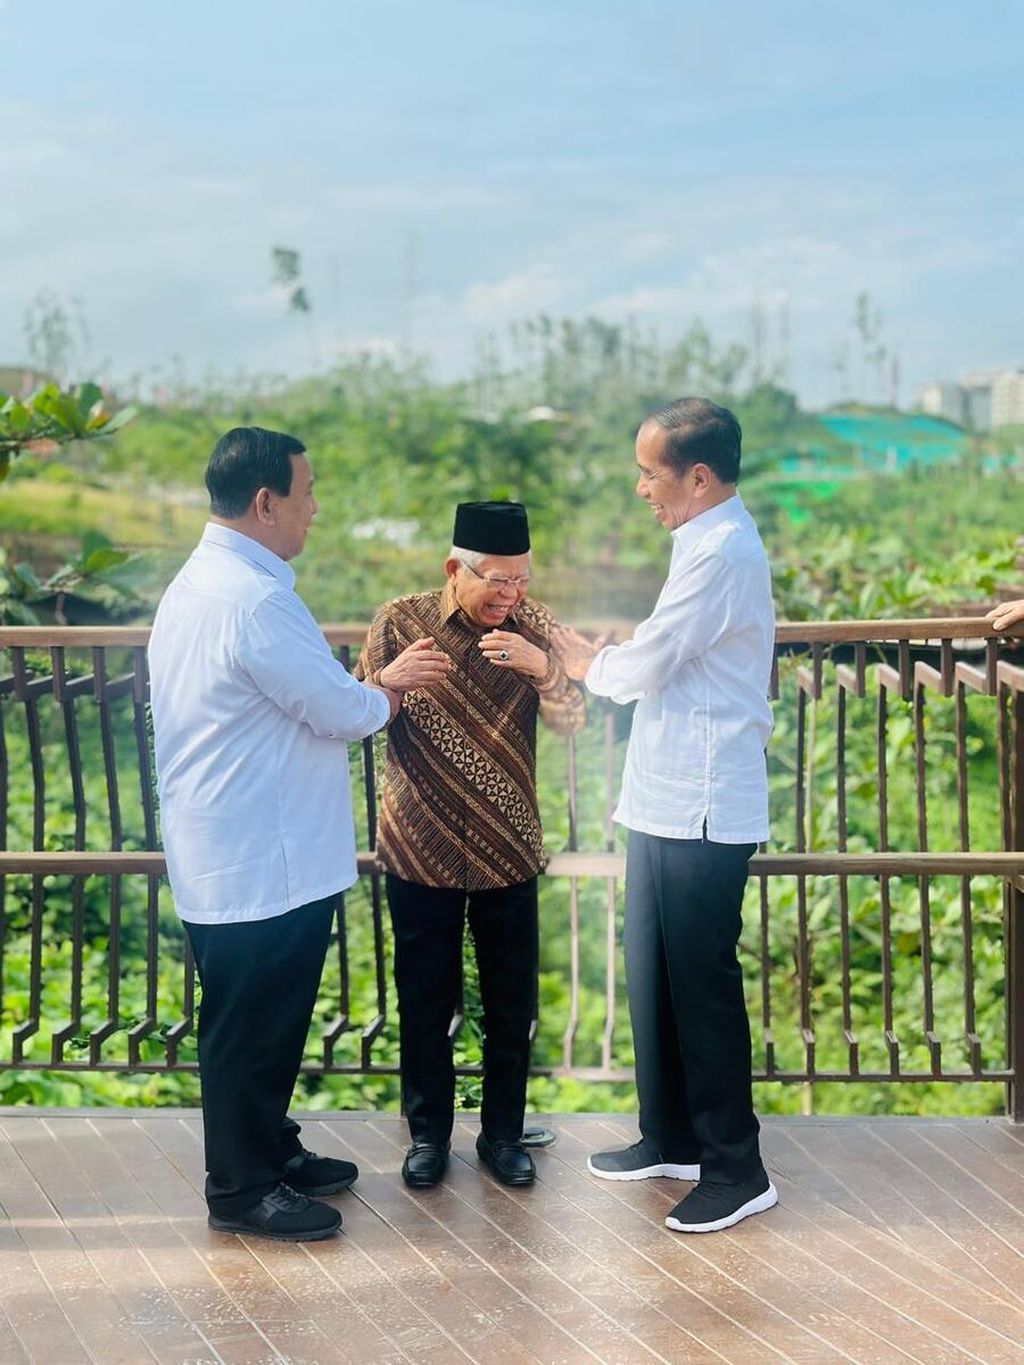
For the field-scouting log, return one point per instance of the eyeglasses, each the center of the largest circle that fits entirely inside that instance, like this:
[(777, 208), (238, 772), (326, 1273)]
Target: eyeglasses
[(500, 580)]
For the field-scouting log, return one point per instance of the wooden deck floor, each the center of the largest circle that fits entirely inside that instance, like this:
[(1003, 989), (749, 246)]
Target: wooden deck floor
[(895, 1240)]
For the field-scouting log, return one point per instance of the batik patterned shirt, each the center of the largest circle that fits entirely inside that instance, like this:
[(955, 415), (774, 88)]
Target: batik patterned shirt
[(459, 807)]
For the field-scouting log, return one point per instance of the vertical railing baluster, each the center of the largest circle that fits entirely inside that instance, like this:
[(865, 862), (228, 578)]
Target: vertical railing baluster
[(65, 699), (103, 702), (966, 917), (140, 696), (24, 694), (805, 755), (182, 1027), (844, 888), (573, 1021), (923, 883), (766, 966), (885, 904), (373, 1029)]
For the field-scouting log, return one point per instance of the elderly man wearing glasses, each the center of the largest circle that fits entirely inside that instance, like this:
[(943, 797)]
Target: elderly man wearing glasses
[(459, 826)]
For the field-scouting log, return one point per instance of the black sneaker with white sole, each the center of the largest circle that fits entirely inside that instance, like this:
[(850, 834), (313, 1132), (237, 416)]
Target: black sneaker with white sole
[(641, 1161), (713, 1206)]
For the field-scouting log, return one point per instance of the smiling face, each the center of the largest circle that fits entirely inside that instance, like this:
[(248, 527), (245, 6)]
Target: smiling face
[(670, 495), (485, 602)]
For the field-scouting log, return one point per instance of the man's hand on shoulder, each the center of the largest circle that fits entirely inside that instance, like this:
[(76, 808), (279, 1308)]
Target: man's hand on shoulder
[(418, 665)]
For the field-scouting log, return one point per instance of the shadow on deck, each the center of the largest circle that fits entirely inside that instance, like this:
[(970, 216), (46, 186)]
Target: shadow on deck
[(896, 1239)]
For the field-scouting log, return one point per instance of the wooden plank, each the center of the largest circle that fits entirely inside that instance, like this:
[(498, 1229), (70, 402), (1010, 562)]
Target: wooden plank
[(898, 1200), (968, 1318), (100, 1326), (63, 1166), (374, 1325), (485, 1283), (896, 1240), (814, 1311), (562, 1280), (29, 1305), (909, 1300)]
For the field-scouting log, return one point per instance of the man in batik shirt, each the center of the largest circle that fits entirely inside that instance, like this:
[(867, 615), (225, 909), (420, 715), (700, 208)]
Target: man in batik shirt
[(460, 829)]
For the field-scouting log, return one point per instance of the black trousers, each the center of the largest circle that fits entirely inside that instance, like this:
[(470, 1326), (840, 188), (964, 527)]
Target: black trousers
[(690, 1032), (259, 981), (429, 923)]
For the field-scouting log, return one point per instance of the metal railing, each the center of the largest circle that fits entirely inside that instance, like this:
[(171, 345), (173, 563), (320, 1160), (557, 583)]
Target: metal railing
[(887, 944)]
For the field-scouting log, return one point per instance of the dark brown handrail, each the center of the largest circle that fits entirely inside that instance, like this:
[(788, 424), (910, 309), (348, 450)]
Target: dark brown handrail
[(920, 629)]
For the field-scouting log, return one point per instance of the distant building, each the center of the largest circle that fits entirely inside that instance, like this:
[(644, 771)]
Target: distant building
[(1008, 399), (19, 381), (981, 400), (942, 398)]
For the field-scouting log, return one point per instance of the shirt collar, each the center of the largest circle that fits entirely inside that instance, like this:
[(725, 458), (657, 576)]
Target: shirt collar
[(693, 532), (228, 539), (450, 607)]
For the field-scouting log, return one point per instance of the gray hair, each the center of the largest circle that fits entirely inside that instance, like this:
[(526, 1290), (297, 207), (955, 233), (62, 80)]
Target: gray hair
[(474, 558), (471, 558)]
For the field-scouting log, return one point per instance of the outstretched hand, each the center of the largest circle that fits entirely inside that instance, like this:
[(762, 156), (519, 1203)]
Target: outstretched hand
[(418, 665), (575, 650), (1008, 614)]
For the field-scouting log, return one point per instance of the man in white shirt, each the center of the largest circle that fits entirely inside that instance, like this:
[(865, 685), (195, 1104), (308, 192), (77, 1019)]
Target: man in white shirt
[(695, 801), (251, 718)]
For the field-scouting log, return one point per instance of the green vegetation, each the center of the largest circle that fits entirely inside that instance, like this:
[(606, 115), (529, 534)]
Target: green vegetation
[(553, 426)]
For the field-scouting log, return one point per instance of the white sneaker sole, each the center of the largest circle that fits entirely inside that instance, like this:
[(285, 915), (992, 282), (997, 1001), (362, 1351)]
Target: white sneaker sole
[(666, 1168), (759, 1204)]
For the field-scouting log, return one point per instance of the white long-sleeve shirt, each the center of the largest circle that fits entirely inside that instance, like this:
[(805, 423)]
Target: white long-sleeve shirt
[(250, 717), (699, 669)]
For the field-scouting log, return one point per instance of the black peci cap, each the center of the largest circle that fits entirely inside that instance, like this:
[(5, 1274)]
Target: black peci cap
[(493, 528)]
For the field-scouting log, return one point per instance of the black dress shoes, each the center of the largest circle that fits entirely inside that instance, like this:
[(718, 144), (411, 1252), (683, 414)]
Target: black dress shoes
[(285, 1215), (509, 1161), (425, 1163), (316, 1175)]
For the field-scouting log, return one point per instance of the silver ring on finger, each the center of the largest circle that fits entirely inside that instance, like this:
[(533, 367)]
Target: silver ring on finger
[(503, 655)]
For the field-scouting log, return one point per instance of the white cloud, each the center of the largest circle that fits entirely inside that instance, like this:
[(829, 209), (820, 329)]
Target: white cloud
[(537, 289)]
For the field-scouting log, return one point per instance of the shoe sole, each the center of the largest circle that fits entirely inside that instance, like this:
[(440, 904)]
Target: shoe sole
[(318, 1235), (516, 1183), (316, 1191), (666, 1168), (420, 1184), (759, 1204)]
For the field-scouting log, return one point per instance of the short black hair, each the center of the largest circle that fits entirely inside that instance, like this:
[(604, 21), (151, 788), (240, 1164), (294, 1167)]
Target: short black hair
[(244, 460), (701, 432)]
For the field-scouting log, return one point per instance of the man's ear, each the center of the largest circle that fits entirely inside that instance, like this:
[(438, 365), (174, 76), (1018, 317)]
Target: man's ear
[(261, 505), (451, 567)]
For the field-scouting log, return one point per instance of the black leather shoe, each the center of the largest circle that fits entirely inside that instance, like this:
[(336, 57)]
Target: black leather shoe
[(425, 1163), (315, 1175), (286, 1216), (509, 1161)]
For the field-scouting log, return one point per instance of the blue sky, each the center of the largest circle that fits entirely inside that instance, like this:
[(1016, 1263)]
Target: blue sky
[(661, 161)]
